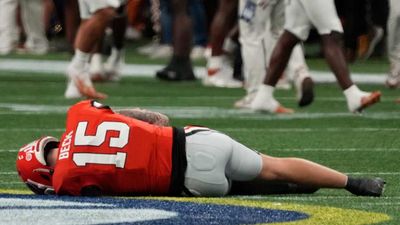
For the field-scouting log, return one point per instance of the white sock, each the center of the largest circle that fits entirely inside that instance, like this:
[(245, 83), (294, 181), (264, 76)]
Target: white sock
[(80, 59), (352, 92), (264, 99), (353, 96)]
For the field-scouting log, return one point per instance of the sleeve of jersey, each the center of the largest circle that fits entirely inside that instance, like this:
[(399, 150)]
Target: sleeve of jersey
[(78, 186)]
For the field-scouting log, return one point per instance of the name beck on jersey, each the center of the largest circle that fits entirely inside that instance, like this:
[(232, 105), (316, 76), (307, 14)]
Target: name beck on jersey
[(65, 146)]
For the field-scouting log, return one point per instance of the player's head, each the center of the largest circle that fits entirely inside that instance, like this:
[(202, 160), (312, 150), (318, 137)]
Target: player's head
[(32, 166)]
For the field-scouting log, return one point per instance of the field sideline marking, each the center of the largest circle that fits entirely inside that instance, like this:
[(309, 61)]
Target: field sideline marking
[(200, 112), (228, 98), (148, 70)]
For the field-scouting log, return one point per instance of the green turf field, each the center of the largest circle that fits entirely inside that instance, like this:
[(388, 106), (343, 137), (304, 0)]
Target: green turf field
[(32, 105)]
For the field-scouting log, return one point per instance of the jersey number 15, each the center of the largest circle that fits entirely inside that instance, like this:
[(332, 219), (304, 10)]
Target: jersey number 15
[(81, 139)]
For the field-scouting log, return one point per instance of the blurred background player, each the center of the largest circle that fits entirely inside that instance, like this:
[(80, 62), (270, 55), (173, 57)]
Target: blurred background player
[(95, 15), (300, 16), (111, 69), (219, 69), (180, 66), (393, 78), (33, 25), (261, 24)]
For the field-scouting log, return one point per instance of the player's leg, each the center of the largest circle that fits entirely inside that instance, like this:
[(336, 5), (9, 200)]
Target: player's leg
[(393, 78), (308, 173), (296, 27), (96, 68), (264, 100), (92, 30), (301, 171), (324, 17), (71, 20), (219, 70), (96, 16), (298, 70), (200, 28), (266, 187), (334, 56), (116, 59), (242, 168), (180, 66), (245, 163), (254, 64), (255, 39)]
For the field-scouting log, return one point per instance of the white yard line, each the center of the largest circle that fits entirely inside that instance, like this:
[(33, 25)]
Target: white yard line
[(331, 129), (375, 173), (189, 98), (200, 112), (336, 149), (136, 70), (13, 183), (8, 173), (313, 197), (380, 203), (30, 129), (8, 150)]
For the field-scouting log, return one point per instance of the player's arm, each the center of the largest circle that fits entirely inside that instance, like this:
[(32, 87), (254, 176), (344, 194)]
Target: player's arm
[(155, 118)]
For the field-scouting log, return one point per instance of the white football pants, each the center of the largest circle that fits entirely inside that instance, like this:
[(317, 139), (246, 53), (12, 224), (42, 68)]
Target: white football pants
[(301, 15), (394, 36), (260, 27), (32, 20)]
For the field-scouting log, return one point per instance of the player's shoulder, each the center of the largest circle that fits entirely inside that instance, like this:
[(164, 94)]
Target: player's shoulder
[(88, 105)]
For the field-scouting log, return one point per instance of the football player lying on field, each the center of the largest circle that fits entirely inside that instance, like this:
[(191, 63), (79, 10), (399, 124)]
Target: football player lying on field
[(135, 152)]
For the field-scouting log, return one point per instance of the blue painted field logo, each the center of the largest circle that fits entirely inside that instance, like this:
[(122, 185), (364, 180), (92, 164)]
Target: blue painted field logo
[(30, 209)]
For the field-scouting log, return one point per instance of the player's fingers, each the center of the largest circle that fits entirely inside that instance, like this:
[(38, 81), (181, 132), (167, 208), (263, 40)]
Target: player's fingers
[(88, 91)]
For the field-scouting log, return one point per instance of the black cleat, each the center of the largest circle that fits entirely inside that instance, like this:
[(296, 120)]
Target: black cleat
[(307, 92), (175, 74), (366, 186), (179, 69)]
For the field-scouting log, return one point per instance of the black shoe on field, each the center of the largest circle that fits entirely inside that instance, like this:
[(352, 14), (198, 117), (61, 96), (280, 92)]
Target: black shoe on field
[(179, 69), (366, 186), (307, 92), (176, 73)]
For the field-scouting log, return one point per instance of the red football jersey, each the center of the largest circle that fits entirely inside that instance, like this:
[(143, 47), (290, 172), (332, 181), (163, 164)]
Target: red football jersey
[(117, 154)]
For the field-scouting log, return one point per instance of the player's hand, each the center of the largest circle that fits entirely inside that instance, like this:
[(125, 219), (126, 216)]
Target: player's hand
[(88, 90)]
